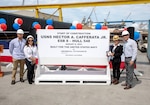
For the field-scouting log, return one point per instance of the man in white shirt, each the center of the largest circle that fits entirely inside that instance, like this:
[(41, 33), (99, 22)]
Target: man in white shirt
[(130, 53)]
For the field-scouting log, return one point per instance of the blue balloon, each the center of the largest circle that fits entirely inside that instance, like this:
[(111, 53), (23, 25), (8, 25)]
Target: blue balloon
[(98, 26), (2, 20), (72, 27), (49, 21), (136, 35), (34, 23), (16, 26)]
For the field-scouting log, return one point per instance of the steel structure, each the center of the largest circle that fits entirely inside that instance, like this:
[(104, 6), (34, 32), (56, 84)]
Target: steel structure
[(74, 5)]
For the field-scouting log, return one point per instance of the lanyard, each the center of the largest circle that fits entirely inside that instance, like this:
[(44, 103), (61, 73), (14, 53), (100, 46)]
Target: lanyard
[(31, 48), (20, 44)]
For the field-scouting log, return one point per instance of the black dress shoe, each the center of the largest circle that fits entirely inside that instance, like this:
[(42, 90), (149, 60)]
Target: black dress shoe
[(30, 82), (13, 82), (128, 87), (21, 80)]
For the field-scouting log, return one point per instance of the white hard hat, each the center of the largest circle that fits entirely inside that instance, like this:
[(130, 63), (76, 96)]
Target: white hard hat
[(125, 33), (20, 31), (29, 36)]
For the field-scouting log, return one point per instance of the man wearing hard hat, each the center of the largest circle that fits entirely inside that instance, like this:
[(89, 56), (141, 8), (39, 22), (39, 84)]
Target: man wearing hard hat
[(130, 53), (16, 47)]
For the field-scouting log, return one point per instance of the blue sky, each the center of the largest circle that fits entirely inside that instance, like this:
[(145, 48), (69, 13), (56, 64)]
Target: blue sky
[(117, 13)]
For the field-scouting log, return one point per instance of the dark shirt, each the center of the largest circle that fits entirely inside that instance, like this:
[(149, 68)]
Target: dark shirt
[(118, 50)]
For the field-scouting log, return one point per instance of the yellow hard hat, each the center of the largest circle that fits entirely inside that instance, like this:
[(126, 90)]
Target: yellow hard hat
[(115, 37)]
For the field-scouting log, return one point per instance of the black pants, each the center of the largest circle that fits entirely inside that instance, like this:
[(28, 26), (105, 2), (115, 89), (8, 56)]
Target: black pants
[(116, 69), (30, 72)]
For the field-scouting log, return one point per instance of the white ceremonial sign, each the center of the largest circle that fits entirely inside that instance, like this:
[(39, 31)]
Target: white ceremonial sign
[(73, 47)]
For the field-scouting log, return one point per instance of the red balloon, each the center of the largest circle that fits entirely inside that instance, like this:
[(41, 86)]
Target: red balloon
[(104, 28), (49, 27), (20, 21), (79, 26), (37, 26), (3, 26)]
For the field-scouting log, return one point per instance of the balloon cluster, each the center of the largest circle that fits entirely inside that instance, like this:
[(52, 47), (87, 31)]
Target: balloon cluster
[(3, 26), (17, 23), (99, 26), (36, 25), (49, 23), (76, 25)]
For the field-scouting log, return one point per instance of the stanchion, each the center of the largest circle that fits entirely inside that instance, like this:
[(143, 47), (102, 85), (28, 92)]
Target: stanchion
[(1, 51), (133, 73)]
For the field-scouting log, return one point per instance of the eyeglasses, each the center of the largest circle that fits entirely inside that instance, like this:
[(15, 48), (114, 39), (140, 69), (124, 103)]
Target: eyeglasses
[(115, 40), (20, 34), (30, 40), (125, 35)]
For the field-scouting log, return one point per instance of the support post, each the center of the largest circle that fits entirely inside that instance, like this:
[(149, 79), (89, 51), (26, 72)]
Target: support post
[(37, 13), (60, 15)]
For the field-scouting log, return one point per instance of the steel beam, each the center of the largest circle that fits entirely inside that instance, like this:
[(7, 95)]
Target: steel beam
[(76, 5)]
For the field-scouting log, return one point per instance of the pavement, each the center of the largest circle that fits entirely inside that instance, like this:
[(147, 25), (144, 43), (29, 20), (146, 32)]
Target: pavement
[(26, 94)]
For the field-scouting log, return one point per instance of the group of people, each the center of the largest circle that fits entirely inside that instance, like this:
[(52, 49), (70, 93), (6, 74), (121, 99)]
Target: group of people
[(129, 49), (23, 52)]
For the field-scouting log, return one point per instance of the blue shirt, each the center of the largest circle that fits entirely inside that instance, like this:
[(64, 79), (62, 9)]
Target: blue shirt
[(16, 47), (130, 49)]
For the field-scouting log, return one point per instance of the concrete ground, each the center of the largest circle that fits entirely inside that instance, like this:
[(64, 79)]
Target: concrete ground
[(25, 94)]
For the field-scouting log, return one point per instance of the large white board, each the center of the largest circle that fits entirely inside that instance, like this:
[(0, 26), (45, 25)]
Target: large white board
[(73, 47)]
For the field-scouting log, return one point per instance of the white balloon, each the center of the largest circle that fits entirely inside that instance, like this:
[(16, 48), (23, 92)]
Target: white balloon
[(16, 20), (46, 27), (74, 23)]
